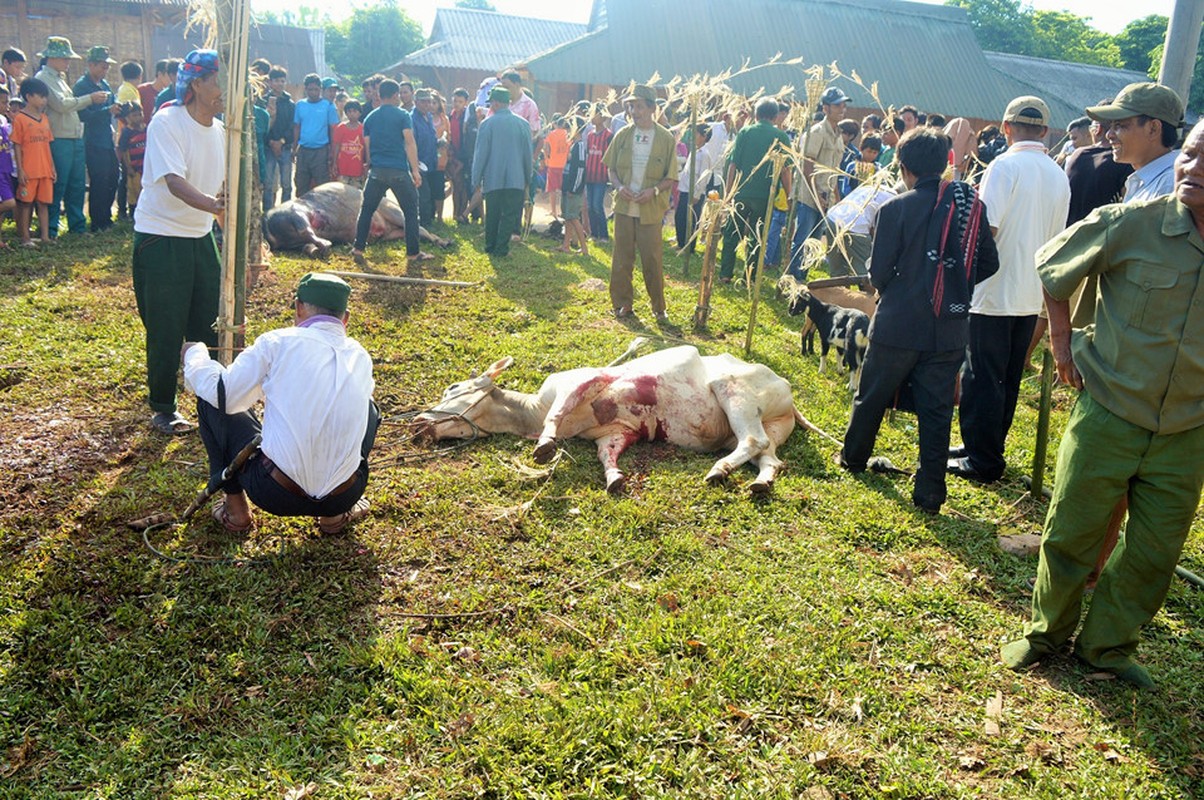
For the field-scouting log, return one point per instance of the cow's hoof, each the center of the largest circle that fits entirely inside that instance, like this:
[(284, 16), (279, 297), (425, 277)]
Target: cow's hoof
[(760, 488), (715, 477), (544, 451), (615, 484)]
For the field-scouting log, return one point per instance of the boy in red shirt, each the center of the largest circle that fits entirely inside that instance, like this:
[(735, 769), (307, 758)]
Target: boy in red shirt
[(131, 149), (35, 167), (349, 146)]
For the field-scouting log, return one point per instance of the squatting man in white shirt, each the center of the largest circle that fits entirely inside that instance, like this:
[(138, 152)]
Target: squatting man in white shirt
[(319, 420)]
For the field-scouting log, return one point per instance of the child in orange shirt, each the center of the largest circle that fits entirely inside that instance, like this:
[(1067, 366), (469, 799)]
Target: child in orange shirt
[(349, 147), (35, 166), (556, 150)]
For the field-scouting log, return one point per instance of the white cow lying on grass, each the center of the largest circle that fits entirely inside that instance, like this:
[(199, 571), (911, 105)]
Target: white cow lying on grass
[(703, 403)]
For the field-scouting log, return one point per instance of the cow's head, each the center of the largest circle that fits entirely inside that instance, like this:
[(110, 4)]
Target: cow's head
[(462, 404)]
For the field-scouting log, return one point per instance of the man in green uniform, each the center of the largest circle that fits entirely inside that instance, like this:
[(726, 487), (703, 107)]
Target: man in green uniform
[(1137, 429), (749, 173)]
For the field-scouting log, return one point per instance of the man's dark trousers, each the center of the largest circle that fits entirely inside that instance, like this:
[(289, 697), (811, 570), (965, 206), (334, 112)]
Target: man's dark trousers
[(380, 180), (745, 223), (933, 376), (102, 185), (991, 386), (503, 217), (225, 435)]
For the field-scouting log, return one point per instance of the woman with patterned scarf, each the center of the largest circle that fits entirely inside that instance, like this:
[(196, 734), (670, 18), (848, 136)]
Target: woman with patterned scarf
[(931, 246)]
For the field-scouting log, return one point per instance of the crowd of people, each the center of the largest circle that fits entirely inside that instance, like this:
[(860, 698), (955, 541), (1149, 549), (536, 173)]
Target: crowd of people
[(977, 243)]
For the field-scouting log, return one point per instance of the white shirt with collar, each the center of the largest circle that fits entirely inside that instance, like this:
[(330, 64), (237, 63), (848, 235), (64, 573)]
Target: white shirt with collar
[(1027, 197), (1156, 179), (316, 383)]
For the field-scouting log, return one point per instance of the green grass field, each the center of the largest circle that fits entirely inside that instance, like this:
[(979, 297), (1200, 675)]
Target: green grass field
[(494, 631)]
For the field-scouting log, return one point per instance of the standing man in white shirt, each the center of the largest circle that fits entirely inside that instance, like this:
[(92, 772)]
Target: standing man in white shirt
[(1145, 118), (1027, 197), (319, 421), (177, 272)]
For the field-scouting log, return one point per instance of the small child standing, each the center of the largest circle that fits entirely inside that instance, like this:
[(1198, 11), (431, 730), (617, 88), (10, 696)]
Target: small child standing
[(573, 194), (131, 149), (8, 200), (31, 138), (556, 154), (349, 144)]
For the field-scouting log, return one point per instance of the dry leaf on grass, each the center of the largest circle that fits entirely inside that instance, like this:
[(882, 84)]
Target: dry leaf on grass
[(301, 792), (991, 725), (668, 602), (1021, 544), (971, 763)]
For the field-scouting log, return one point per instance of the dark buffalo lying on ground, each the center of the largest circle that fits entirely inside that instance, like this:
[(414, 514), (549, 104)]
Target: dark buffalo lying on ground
[(326, 215)]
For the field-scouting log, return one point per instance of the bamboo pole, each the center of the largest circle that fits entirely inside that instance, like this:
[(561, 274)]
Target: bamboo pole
[(233, 21), (779, 159), (689, 248), (1042, 446), (711, 222), (368, 276)]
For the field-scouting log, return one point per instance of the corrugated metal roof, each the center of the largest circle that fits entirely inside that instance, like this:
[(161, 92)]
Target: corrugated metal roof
[(1067, 88), (291, 48), (925, 55), (463, 38)]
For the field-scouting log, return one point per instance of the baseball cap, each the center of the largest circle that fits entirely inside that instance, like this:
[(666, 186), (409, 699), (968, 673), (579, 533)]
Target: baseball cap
[(833, 96), (1028, 110), (1142, 99)]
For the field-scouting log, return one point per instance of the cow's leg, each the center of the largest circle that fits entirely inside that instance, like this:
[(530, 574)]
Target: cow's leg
[(556, 424), (610, 447), (769, 465), (744, 417)]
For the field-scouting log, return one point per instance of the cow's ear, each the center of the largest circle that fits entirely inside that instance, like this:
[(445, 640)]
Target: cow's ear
[(498, 366)]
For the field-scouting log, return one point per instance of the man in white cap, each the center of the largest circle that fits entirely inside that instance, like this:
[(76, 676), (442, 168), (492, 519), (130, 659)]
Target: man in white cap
[(1027, 197)]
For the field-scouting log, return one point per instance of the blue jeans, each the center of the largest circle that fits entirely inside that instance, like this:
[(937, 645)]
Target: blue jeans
[(279, 172), (595, 197), (773, 248), (69, 186), (807, 224)]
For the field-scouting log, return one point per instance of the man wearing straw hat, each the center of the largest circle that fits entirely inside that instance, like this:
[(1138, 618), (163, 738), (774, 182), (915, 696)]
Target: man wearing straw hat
[(177, 272), (642, 161), (99, 156), (67, 149), (319, 420)]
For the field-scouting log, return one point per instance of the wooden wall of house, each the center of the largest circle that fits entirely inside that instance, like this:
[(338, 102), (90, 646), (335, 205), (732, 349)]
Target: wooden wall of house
[(125, 29)]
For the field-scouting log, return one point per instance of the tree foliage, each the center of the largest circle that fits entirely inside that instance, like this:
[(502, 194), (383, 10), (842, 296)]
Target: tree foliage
[(1139, 40), (372, 39), (479, 5), (1069, 37)]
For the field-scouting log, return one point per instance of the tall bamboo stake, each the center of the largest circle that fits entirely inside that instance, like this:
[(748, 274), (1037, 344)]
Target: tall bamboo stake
[(779, 158), (233, 22), (685, 270), (1042, 445), (711, 222)]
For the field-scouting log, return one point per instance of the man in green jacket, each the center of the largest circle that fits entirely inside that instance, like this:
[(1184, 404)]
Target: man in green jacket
[(749, 173), (1137, 428), (642, 162)]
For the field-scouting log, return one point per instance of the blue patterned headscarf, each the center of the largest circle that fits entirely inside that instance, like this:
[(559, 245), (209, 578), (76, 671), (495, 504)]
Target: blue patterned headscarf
[(197, 64)]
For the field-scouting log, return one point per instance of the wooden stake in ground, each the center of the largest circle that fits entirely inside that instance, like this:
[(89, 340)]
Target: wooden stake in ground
[(709, 225), (1042, 446), (779, 159), (689, 248)]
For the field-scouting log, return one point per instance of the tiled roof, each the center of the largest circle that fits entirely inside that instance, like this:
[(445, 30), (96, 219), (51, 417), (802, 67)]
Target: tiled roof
[(919, 54), (1067, 88), (464, 38)]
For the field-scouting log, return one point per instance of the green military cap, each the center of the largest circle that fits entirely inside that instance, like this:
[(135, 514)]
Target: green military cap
[(329, 82), (1142, 99), (58, 47), (326, 291), (641, 92), (98, 54), (1028, 110), (499, 94)]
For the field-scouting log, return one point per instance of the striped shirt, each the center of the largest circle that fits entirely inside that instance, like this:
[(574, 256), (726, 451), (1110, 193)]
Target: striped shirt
[(596, 144)]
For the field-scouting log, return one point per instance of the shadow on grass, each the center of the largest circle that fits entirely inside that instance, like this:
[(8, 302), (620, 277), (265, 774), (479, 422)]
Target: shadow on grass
[(139, 677)]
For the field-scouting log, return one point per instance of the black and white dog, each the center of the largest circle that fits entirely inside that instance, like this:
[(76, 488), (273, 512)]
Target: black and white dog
[(846, 329)]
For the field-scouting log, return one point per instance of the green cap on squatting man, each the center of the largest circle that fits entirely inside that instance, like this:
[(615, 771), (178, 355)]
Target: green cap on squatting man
[(325, 291), (58, 47), (499, 94), (1142, 100)]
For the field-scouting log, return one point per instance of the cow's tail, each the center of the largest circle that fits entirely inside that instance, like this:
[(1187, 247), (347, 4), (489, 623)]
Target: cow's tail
[(811, 426)]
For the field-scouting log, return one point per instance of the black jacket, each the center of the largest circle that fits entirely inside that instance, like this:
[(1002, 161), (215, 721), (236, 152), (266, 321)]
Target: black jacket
[(900, 271), (282, 126)]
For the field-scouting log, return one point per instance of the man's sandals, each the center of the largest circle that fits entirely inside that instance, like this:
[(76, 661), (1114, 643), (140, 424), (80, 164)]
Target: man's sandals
[(336, 524), (171, 423), (221, 515)]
